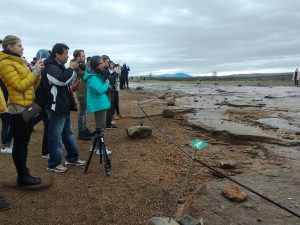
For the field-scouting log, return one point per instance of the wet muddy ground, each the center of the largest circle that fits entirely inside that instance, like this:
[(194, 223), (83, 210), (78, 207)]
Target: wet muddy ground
[(256, 127)]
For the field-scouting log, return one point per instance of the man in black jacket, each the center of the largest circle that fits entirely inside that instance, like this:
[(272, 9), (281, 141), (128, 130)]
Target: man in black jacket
[(56, 80)]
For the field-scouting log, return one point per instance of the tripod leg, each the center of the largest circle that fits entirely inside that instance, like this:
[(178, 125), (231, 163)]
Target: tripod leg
[(100, 149), (107, 165), (90, 157)]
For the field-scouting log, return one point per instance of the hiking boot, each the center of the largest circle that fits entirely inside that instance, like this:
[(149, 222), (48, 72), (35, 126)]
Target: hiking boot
[(87, 131), (58, 169), (4, 205), (84, 136), (77, 163), (28, 180)]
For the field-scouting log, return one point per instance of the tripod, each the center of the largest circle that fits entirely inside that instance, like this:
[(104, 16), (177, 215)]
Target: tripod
[(99, 142)]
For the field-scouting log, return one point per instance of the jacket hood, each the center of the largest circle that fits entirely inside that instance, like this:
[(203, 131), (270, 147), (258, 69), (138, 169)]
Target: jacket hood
[(10, 57), (88, 74)]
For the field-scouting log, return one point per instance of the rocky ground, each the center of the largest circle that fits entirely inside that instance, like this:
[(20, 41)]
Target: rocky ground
[(147, 175)]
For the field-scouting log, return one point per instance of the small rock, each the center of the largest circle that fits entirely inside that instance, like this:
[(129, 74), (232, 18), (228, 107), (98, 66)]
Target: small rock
[(181, 201), (248, 205), (195, 100), (170, 101), (188, 220), (168, 113), (162, 221), (161, 97), (234, 193), (230, 164), (139, 88), (139, 131)]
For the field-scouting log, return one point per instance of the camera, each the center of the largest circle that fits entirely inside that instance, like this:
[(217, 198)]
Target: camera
[(82, 66)]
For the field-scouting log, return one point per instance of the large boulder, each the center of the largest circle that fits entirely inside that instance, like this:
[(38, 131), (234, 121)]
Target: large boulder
[(139, 131)]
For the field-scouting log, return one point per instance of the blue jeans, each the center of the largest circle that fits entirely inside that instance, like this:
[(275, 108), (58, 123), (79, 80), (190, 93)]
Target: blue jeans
[(59, 129)]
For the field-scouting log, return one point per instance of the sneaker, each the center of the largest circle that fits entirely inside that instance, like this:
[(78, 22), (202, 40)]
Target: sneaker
[(59, 169), (121, 116), (77, 163), (107, 151), (46, 156), (6, 149), (116, 117)]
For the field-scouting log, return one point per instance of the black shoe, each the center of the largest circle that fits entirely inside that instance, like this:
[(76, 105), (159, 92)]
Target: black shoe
[(28, 180), (4, 205), (87, 131), (83, 135)]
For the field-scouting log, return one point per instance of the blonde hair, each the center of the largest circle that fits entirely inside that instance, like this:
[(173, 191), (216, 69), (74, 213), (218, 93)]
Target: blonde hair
[(9, 40)]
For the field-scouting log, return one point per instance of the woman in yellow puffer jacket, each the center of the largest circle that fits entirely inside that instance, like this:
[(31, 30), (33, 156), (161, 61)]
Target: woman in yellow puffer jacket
[(21, 85)]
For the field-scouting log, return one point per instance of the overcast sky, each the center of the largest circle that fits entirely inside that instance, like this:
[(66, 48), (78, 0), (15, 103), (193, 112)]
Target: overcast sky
[(193, 36)]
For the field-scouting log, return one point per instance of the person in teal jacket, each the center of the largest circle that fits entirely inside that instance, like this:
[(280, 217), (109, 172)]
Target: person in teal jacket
[(97, 100)]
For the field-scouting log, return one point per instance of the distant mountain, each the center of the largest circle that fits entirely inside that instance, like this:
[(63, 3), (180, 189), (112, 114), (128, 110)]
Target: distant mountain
[(176, 75)]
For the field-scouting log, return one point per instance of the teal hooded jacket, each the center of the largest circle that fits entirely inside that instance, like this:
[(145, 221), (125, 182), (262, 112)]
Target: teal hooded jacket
[(95, 94)]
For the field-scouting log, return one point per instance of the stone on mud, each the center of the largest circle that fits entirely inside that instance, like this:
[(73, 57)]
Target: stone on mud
[(139, 131), (229, 164), (162, 221), (170, 101), (139, 88), (188, 220), (169, 113), (234, 193)]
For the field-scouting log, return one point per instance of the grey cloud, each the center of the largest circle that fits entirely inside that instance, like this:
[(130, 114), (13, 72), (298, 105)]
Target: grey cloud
[(188, 36)]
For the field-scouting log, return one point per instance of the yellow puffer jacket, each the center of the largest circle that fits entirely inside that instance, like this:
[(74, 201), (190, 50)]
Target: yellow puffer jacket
[(18, 79)]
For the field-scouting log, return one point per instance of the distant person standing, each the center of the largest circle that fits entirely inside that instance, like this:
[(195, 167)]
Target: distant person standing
[(125, 71), (296, 77)]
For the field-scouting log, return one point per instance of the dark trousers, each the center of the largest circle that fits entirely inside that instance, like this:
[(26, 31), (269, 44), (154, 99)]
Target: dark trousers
[(296, 82), (6, 132), (109, 112), (115, 104), (21, 134), (43, 117), (126, 81), (122, 82)]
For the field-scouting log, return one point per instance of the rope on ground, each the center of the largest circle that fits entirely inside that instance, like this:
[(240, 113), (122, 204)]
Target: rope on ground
[(171, 139)]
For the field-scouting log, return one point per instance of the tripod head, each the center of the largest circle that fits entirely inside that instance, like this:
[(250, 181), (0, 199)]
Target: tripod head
[(97, 132)]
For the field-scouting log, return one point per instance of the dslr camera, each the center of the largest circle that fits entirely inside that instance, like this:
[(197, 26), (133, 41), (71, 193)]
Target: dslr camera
[(82, 66)]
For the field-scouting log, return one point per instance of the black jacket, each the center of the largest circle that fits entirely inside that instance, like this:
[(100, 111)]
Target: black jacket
[(54, 92)]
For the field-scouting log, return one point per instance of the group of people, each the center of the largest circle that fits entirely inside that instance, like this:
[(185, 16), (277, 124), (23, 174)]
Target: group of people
[(47, 82)]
